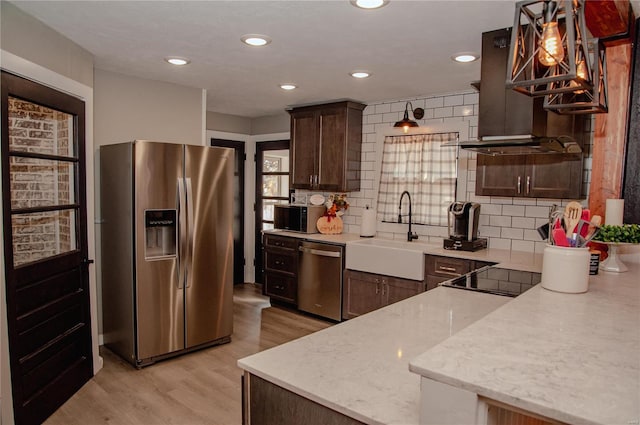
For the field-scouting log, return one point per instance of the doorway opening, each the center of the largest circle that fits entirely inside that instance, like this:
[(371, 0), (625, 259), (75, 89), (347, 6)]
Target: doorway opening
[(238, 205)]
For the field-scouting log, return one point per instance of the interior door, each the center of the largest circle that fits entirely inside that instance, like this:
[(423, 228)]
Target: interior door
[(238, 206), (45, 245), (272, 187)]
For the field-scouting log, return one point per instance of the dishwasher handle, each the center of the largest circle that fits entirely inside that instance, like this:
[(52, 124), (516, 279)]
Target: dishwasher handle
[(322, 253)]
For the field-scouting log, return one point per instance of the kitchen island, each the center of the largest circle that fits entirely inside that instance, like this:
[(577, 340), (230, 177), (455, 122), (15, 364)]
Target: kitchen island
[(359, 368)]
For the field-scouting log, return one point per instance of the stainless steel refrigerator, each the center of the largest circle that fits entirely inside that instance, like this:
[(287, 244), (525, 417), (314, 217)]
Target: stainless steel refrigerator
[(167, 248)]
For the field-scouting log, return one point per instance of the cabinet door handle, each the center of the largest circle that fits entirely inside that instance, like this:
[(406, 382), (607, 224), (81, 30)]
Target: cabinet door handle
[(519, 184), (528, 184), (377, 288), (316, 179), (383, 288), (310, 179)]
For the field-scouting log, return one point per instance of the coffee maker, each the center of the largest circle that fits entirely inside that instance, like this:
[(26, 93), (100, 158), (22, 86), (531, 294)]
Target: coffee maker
[(463, 219)]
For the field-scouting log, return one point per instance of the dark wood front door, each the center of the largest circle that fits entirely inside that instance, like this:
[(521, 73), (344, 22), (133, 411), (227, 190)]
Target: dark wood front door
[(45, 245)]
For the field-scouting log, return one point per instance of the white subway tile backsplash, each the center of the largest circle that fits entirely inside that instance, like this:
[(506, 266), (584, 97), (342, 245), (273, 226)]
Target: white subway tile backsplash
[(471, 98), (382, 108), (524, 246), (434, 102), (500, 221), (515, 210), (523, 222), (489, 231), (443, 112), (508, 223), (490, 209), (532, 211), (512, 233), (374, 119), (454, 100), (497, 243)]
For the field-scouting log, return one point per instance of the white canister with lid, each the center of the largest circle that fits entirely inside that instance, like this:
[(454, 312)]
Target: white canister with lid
[(565, 269)]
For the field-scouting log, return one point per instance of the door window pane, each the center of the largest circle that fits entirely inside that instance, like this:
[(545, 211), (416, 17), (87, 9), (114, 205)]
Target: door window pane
[(275, 161), (38, 129), (267, 208), (40, 182), (41, 235), (275, 185)]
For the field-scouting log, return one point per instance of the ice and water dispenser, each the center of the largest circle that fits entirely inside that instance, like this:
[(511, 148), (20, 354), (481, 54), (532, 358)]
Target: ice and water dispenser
[(160, 234)]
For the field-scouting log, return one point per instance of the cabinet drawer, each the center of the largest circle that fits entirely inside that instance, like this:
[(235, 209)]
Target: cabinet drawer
[(446, 266), (281, 261), (280, 286), (281, 242)]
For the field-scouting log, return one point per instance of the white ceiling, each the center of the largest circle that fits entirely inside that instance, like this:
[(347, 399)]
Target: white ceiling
[(406, 45)]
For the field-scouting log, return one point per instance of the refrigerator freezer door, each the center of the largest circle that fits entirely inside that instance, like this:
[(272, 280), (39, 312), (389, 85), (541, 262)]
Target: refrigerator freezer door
[(209, 285), (160, 301)]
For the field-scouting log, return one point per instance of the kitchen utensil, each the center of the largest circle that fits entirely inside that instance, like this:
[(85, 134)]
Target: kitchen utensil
[(586, 216), (572, 214), (543, 231), (559, 237), (594, 225)]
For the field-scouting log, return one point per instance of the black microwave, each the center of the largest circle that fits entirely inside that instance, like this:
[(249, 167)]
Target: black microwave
[(297, 218)]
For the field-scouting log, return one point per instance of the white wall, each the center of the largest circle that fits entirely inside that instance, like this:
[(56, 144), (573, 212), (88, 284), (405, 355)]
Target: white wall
[(129, 108)]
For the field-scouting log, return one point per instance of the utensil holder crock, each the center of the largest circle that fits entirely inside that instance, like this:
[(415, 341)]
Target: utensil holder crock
[(565, 269)]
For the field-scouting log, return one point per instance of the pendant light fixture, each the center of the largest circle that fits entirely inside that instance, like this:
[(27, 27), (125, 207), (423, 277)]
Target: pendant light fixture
[(592, 101), (548, 52), (406, 123)]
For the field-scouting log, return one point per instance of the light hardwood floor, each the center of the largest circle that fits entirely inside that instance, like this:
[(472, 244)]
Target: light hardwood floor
[(197, 388)]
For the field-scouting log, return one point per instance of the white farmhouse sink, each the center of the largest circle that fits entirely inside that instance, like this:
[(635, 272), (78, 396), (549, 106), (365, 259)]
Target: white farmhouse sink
[(387, 257)]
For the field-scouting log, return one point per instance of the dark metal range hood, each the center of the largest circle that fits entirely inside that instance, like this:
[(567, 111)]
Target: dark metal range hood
[(511, 123)]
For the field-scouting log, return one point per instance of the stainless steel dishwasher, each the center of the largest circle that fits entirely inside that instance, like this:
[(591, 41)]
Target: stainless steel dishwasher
[(320, 268)]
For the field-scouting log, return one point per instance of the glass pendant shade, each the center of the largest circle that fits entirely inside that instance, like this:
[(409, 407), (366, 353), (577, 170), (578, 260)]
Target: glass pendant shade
[(546, 48)]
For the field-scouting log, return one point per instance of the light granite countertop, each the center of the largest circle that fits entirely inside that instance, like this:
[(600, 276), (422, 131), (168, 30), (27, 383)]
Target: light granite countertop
[(360, 367), (571, 357)]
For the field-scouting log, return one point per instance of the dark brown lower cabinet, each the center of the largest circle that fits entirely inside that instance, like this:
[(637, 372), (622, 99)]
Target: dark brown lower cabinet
[(530, 176), (265, 403), (364, 292), (281, 268), (439, 269)]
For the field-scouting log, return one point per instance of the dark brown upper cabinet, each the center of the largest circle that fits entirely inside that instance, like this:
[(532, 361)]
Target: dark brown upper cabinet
[(530, 176), (326, 144)]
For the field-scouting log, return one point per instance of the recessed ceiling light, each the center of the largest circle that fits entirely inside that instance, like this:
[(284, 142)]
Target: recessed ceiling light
[(465, 57), (369, 4), (255, 40), (174, 60), (360, 74), (288, 86)]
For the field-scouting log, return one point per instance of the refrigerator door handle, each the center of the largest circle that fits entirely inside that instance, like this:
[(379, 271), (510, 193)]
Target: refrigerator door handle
[(189, 258), (182, 232)]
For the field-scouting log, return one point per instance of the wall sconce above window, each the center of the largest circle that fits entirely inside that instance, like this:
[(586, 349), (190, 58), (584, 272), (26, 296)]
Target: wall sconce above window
[(592, 101), (406, 123), (548, 52)]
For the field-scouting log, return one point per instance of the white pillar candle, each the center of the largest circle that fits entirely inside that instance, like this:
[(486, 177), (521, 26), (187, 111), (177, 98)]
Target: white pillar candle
[(614, 212)]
